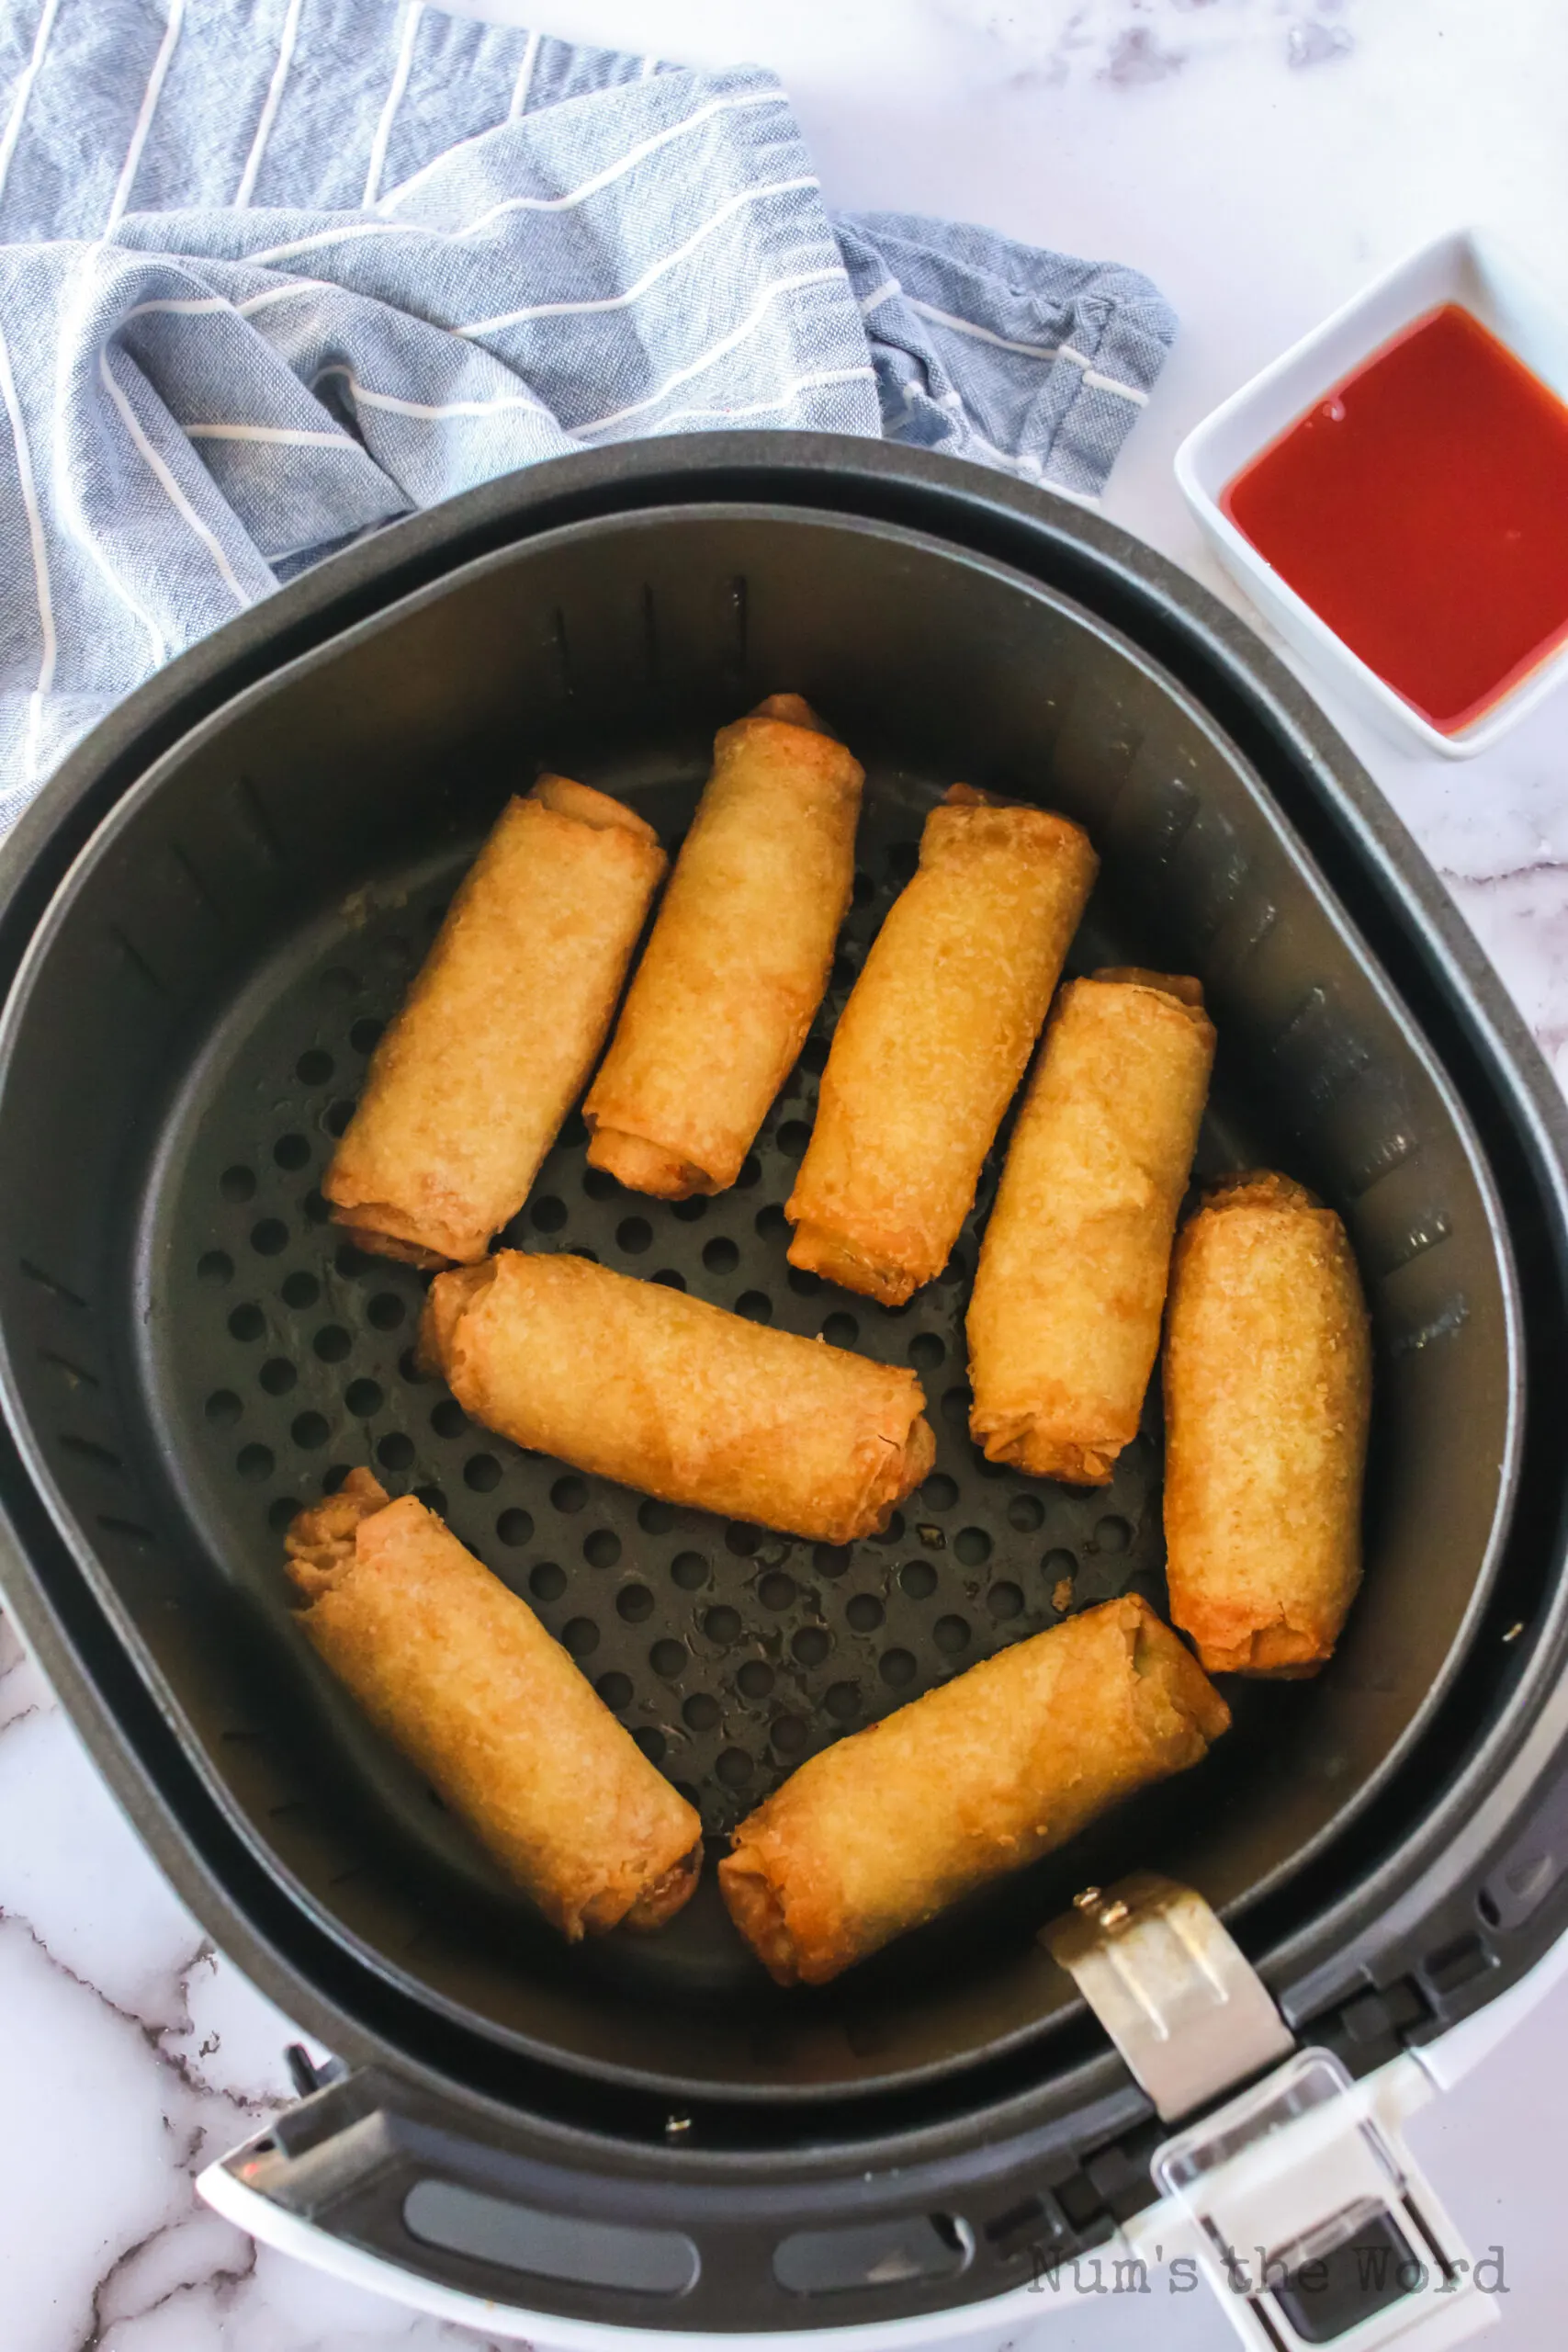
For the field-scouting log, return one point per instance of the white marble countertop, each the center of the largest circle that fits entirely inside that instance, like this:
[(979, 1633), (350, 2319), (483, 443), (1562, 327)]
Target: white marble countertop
[(1259, 159)]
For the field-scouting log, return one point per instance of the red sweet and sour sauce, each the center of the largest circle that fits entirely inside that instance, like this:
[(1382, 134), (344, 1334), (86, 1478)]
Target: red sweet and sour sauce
[(1421, 509)]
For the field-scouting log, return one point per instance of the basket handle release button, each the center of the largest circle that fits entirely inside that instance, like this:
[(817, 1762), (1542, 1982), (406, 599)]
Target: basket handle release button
[(1298, 2199)]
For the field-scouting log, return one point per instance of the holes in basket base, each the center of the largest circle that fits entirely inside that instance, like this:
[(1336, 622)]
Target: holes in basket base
[(569, 1493), (720, 1255), (690, 1571), (580, 1636), (548, 1581), (811, 1644), (386, 1311), (331, 1343), (1111, 1535), (897, 1669), (918, 1579), (1004, 1601), (950, 1635), (448, 1418), (223, 1408), (938, 1493), (843, 1702), (363, 1397), (734, 1767), (278, 1375), (300, 1290), (651, 1743), (599, 1184), (634, 1234), (548, 1215), (771, 1224), (255, 1463), (291, 1152), (247, 1322), (365, 1034), (777, 1590), (691, 1212), (481, 1474), (864, 1612), (395, 1451), (841, 1331), (310, 1431), (336, 1117), (315, 1067), (635, 1603), (515, 1528), (926, 1352), (832, 1559), (755, 1679), (668, 1658), (280, 1512), (723, 1625), (215, 1267), (237, 1184), (670, 1278), (269, 1237), (615, 1689), (972, 1546), (700, 1711), (1026, 1512), (955, 1408), (756, 1305), (789, 1734)]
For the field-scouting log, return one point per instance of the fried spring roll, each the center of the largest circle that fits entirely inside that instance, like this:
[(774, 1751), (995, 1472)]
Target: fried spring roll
[(1064, 1323), (732, 976), (881, 1831), (1268, 1390), (459, 1674), (640, 1383), (468, 1089), (934, 1041)]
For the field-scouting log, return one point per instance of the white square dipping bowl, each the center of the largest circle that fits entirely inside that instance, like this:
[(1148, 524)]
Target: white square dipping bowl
[(1467, 267)]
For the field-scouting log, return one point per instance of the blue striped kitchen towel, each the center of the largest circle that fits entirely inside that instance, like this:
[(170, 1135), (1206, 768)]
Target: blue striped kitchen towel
[(274, 272)]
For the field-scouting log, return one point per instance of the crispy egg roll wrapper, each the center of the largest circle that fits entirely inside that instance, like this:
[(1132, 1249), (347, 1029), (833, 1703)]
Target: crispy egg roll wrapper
[(640, 1383), (1268, 1391), (459, 1672), (1065, 1319), (931, 1044), (736, 962), (468, 1089), (882, 1830)]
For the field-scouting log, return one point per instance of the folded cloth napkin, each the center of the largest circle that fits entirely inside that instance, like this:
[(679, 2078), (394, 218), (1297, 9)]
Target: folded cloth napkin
[(274, 272)]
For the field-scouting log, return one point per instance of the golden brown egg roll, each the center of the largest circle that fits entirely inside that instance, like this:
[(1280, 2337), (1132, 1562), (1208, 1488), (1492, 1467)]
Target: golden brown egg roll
[(1268, 1390), (643, 1385), (736, 966), (881, 1831), (1063, 1323), (459, 1672), (932, 1042), (468, 1089)]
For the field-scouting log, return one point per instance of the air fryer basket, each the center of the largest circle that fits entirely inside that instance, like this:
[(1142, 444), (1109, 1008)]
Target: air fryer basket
[(190, 1350)]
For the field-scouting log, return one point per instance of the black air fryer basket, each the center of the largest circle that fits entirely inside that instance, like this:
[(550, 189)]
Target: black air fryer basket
[(205, 922)]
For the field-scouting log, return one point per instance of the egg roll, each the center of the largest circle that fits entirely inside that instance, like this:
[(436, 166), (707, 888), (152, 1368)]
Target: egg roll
[(468, 1089), (640, 1383), (881, 1831), (932, 1042), (736, 962), (1267, 1392), (459, 1672), (1064, 1322)]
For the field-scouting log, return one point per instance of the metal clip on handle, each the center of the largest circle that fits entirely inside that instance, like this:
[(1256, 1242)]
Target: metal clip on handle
[(1298, 2200)]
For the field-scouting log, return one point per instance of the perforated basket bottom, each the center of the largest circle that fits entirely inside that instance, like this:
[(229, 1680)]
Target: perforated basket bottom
[(730, 1652)]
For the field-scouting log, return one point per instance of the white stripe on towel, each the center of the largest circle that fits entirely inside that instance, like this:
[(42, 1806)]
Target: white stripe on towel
[(246, 188), (170, 488), (413, 11), (149, 107), (714, 350), (425, 409), (25, 81), (525, 82), (650, 276), (300, 436), (983, 334)]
